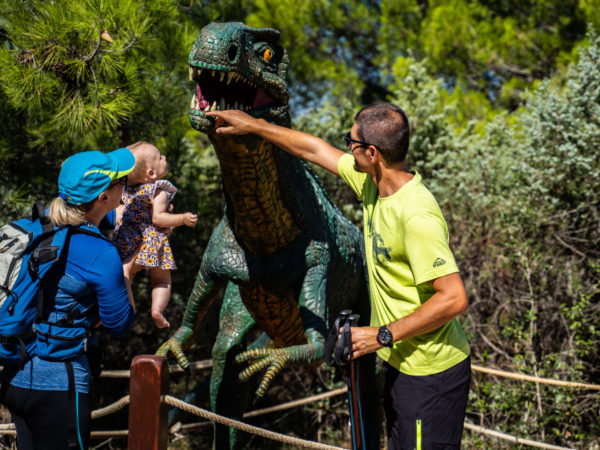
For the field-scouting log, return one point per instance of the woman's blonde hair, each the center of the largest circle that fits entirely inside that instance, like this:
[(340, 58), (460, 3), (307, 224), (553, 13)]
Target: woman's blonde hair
[(62, 214)]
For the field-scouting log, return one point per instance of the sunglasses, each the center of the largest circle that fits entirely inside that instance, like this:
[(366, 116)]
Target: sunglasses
[(349, 141), (122, 180)]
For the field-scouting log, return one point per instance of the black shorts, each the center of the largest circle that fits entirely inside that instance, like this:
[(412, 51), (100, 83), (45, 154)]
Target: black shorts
[(49, 419), (426, 412)]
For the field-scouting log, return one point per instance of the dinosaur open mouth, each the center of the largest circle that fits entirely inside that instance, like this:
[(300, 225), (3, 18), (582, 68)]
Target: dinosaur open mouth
[(219, 90)]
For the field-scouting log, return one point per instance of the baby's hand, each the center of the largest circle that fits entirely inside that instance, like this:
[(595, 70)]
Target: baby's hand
[(190, 219)]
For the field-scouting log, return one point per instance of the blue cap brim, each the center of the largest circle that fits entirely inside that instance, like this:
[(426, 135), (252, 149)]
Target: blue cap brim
[(124, 162), (84, 176)]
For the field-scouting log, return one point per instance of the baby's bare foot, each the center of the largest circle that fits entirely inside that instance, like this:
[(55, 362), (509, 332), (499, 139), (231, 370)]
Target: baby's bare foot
[(159, 320)]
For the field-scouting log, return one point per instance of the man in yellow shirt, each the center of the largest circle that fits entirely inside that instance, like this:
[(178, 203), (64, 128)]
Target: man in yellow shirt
[(415, 288)]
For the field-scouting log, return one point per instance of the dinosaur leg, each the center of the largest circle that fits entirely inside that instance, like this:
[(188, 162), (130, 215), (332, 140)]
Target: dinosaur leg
[(228, 395), (262, 341), (312, 308)]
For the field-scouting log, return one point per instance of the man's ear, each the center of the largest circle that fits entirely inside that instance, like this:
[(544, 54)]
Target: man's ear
[(103, 197), (373, 153)]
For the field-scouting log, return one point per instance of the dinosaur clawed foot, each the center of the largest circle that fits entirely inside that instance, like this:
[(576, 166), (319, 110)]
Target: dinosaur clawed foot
[(273, 360)]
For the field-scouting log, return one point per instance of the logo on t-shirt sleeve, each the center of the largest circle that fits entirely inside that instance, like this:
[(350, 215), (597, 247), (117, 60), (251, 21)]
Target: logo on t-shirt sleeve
[(439, 262)]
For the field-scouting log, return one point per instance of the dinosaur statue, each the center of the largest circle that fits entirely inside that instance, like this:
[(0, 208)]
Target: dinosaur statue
[(288, 259)]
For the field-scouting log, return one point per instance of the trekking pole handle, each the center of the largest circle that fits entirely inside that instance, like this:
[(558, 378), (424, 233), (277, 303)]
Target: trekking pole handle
[(331, 344)]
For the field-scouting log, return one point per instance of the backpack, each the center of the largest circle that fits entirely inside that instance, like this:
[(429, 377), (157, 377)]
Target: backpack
[(29, 248)]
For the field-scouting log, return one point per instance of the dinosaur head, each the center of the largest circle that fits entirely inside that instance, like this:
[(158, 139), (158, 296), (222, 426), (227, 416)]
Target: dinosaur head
[(238, 67)]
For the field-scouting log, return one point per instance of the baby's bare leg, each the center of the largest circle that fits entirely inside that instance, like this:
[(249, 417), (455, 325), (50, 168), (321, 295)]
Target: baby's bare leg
[(161, 294)]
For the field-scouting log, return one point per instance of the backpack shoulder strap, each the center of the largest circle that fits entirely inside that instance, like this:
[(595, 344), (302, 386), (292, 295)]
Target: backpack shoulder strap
[(84, 229), (45, 251)]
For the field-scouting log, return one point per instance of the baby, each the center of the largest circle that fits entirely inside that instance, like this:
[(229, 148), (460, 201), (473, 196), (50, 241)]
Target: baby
[(144, 222)]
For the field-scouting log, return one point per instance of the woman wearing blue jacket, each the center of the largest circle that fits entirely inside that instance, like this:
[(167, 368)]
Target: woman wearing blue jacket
[(48, 397)]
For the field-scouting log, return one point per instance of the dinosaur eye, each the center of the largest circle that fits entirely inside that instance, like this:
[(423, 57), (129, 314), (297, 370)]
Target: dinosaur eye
[(268, 54)]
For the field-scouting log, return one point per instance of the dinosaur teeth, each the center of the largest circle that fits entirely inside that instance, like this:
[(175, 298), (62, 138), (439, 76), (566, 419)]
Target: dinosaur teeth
[(212, 73), (190, 73), (222, 104), (230, 76), (194, 104), (222, 76), (213, 107)]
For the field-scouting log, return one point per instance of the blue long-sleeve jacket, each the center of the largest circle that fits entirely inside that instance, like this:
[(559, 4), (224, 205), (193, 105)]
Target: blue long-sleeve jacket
[(91, 278)]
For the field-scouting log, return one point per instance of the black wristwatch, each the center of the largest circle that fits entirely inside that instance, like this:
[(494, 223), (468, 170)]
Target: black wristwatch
[(384, 337)]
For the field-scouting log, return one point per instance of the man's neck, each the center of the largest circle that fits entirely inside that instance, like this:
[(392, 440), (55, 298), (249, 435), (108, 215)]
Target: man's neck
[(390, 180)]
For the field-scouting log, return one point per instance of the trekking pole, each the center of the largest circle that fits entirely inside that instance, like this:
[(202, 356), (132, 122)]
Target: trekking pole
[(357, 427), (338, 352)]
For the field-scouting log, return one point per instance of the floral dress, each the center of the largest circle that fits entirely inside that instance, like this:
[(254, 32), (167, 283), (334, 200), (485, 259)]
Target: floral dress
[(135, 229)]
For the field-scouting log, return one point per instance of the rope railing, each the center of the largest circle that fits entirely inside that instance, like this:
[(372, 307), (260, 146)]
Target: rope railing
[(522, 377), (207, 364), (173, 368), (8, 429), (514, 439), (112, 408), (172, 401), (259, 412)]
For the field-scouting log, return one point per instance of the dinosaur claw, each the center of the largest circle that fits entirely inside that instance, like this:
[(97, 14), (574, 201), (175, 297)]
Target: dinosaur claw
[(256, 399)]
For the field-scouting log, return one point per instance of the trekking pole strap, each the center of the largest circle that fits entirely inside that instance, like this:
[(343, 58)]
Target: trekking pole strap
[(332, 338)]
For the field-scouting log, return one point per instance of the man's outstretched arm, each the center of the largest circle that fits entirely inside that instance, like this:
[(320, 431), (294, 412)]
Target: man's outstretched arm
[(302, 145)]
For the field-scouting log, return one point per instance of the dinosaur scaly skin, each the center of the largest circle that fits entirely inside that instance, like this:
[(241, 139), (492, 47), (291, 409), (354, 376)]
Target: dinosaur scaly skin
[(287, 257)]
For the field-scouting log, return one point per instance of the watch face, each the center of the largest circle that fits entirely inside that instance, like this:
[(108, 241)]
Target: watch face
[(384, 336)]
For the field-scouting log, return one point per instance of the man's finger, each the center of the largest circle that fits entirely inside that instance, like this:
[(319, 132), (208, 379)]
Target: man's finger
[(223, 130)]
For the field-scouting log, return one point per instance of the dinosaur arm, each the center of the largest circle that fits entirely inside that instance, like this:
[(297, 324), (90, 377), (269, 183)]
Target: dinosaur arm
[(201, 298), (302, 145), (313, 311)]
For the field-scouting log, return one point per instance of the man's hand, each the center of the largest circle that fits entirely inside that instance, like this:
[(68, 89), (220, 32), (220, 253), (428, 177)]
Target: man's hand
[(364, 340), (232, 122), (297, 143)]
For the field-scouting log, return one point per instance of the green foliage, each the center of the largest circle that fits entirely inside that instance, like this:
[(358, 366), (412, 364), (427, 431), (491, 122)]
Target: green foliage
[(504, 103), (523, 198)]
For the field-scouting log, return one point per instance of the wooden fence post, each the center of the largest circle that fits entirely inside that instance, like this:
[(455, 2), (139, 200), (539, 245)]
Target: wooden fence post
[(148, 417)]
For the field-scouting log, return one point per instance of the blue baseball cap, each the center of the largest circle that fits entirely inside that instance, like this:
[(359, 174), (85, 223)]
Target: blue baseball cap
[(85, 175)]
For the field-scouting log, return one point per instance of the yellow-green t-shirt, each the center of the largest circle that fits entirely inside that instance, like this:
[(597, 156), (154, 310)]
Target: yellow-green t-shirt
[(406, 243)]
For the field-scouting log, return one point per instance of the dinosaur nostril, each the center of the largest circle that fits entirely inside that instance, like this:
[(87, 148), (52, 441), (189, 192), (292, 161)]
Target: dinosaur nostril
[(233, 50)]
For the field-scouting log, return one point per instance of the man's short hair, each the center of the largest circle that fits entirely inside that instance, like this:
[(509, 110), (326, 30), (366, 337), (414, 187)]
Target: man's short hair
[(385, 126)]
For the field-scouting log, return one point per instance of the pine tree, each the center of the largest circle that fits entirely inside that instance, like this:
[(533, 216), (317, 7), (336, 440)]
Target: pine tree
[(77, 75)]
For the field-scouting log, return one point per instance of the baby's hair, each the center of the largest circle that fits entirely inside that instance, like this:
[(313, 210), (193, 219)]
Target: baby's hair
[(141, 165), (137, 145)]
